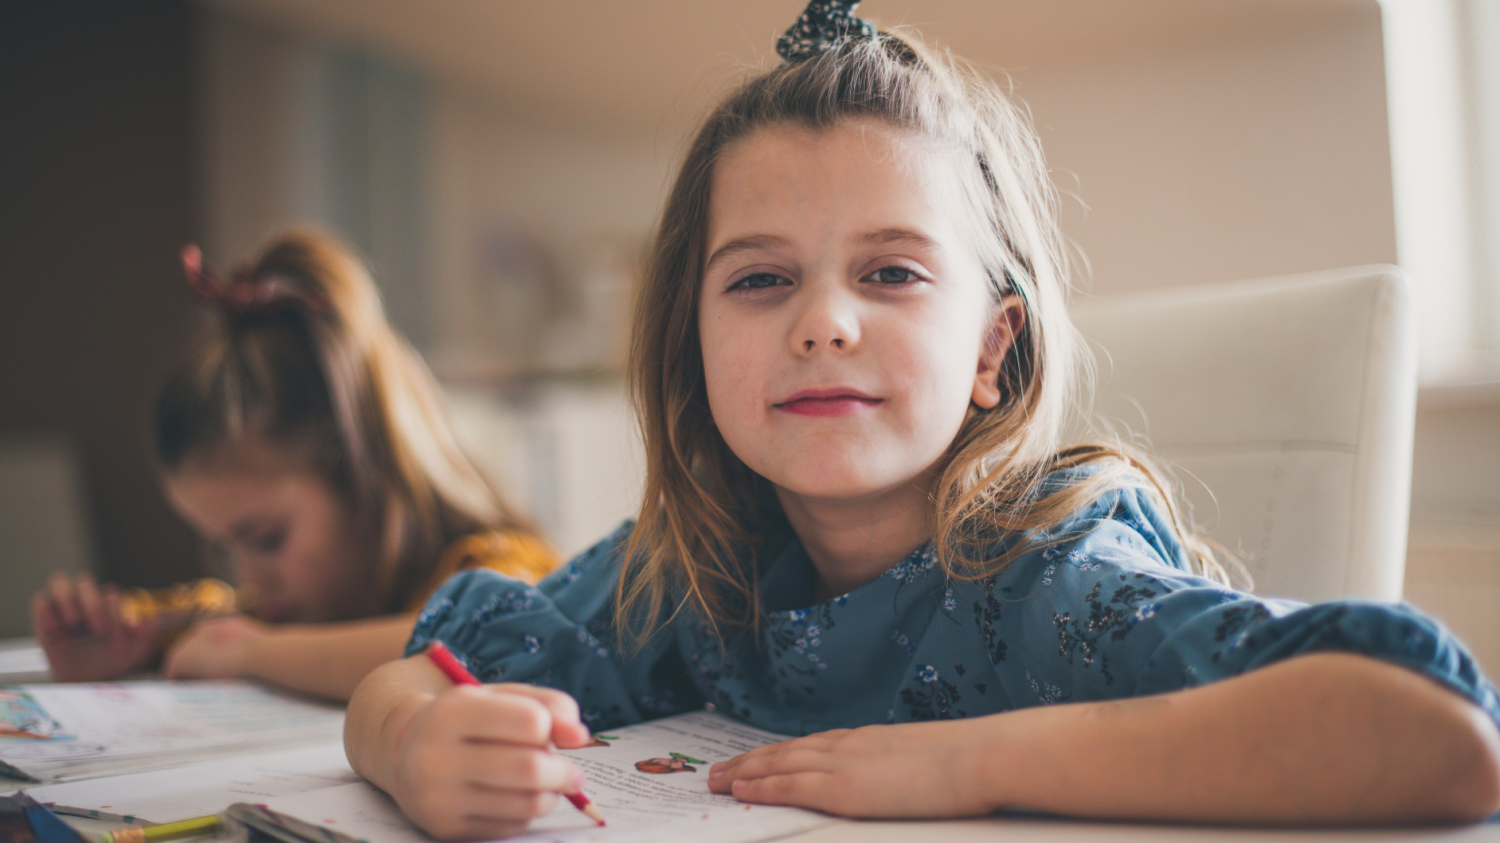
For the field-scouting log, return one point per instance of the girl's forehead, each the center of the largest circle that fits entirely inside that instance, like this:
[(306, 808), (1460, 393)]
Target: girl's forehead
[(862, 142), (860, 169), (249, 456)]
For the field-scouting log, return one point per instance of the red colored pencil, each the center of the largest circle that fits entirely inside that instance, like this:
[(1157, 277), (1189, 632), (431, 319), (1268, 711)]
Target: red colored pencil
[(460, 675)]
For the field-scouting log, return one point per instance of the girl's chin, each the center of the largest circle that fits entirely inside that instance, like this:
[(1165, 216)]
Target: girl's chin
[(836, 489)]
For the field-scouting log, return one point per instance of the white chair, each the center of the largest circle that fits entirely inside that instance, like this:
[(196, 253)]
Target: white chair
[(1286, 407)]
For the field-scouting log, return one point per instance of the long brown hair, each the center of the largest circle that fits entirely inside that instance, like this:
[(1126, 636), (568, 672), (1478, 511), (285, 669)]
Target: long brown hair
[(698, 494), (301, 354)]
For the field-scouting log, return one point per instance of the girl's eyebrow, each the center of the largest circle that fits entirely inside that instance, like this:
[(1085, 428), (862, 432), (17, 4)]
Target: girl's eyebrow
[(899, 235), (753, 243), (766, 242)]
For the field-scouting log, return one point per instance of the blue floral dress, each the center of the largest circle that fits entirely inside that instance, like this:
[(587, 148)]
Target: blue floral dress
[(1101, 607)]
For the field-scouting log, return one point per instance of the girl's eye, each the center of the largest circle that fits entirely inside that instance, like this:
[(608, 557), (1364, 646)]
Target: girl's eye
[(268, 542), (893, 275), (758, 281)]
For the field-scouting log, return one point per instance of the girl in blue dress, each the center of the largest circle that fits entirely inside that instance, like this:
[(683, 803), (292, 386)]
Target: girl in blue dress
[(852, 365)]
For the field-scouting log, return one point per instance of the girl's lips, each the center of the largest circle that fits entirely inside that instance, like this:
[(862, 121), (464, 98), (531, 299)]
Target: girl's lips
[(828, 402)]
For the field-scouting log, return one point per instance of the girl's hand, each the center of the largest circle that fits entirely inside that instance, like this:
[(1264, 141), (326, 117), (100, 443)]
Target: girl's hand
[(86, 637), (214, 649), (906, 770), (480, 763)]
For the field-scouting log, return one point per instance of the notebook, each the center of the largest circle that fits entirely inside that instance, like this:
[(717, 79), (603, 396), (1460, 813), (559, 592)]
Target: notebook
[(69, 731), (649, 780)]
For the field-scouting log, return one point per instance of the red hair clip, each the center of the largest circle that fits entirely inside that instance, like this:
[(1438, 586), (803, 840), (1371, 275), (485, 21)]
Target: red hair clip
[(244, 292)]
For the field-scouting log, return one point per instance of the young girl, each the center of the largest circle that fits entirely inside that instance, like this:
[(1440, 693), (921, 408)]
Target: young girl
[(851, 364), (304, 437)]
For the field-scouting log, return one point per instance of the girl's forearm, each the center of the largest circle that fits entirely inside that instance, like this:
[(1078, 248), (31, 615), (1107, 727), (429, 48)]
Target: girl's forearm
[(326, 660), (1326, 738)]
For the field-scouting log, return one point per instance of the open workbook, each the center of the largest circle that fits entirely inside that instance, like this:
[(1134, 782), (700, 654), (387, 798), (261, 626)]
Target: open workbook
[(649, 780), (78, 730)]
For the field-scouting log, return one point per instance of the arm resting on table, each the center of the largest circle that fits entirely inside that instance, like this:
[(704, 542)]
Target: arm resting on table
[(1319, 739)]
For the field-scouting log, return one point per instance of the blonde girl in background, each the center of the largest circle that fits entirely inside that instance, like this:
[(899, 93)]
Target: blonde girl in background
[(852, 366), (307, 440)]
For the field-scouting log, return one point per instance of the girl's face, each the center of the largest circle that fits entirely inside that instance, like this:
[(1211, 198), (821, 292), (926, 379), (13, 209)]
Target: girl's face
[(844, 313), (294, 544)]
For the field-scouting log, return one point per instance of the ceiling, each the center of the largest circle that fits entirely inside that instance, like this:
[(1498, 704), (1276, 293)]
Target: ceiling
[(638, 66)]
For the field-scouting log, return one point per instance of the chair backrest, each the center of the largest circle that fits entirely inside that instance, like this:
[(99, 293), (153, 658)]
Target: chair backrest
[(1286, 407)]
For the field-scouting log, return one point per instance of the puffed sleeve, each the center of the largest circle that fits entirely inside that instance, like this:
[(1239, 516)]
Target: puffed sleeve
[(1108, 611), (559, 633)]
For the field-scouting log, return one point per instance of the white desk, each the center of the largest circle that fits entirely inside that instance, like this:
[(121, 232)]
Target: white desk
[(1005, 830), (988, 830), (999, 830), (22, 662)]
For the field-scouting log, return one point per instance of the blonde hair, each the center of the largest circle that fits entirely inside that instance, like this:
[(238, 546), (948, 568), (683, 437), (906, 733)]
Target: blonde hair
[(698, 494), (320, 370)]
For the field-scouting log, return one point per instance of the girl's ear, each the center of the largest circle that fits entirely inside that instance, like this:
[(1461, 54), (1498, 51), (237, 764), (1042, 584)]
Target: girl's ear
[(1006, 325)]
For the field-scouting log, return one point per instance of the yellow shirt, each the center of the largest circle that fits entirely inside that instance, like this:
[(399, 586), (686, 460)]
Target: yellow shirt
[(520, 555)]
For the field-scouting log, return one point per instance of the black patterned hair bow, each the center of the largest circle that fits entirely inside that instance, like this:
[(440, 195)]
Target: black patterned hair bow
[(823, 24)]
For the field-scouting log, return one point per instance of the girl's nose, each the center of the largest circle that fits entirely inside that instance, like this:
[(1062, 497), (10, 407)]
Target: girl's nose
[(827, 321)]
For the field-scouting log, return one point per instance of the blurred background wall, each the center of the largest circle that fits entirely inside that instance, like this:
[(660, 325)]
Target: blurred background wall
[(501, 163), (96, 197)]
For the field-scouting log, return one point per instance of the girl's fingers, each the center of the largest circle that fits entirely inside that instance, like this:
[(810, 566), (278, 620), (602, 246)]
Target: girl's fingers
[(568, 730), (506, 768), (483, 790), (807, 790), (509, 747), (494, 714), (46, 621), (480, 762), (497, 805), (519, 714), (109, 607), (504, 735), (769, 756), (786, 762), (91, 604), (64, 599)]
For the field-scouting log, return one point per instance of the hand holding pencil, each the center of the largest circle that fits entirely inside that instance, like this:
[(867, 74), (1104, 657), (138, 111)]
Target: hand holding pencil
[(480, 761)]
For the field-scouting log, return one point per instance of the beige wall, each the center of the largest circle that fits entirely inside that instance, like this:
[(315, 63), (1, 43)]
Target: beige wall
[(1240, 160), (1248, 156), (1230, 156), (580, 203)]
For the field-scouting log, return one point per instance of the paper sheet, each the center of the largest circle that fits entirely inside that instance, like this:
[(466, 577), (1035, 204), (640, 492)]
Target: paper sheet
[(639, 806), (201, 789), (131, 726)]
